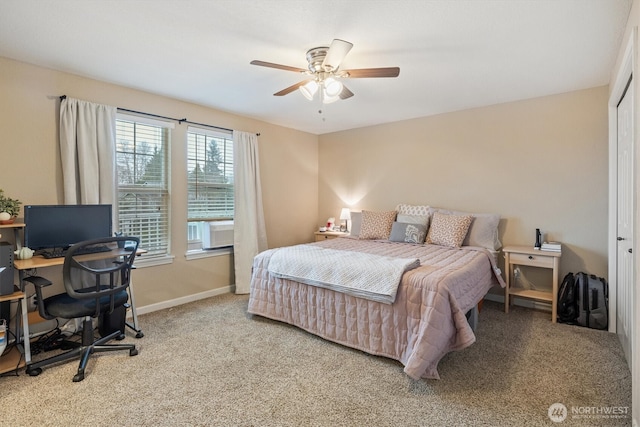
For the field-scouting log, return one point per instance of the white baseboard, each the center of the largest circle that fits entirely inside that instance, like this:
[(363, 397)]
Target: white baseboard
[(520, 301), (182, 300)]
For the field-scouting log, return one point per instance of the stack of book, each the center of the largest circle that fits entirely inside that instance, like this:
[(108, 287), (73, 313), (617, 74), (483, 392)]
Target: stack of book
[(551, 246)]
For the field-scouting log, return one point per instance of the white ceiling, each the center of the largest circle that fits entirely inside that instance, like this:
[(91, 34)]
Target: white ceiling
[(452, 54)]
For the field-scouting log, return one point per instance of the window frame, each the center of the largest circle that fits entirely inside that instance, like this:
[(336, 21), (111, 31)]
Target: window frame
[(228, 163), (164, 256)]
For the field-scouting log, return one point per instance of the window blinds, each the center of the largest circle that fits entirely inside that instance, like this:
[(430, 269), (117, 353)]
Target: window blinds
[(142, 164), (210, 174)]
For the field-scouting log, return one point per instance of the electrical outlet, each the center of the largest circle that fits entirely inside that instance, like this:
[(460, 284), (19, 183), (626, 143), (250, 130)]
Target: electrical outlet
[(32, 303)]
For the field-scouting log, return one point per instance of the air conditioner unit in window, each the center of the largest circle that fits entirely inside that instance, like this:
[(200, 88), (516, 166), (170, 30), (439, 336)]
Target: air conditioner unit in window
[(217, 234)]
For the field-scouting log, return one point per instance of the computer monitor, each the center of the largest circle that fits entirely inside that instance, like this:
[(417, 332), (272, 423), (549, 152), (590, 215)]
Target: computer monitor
[(60, 226)]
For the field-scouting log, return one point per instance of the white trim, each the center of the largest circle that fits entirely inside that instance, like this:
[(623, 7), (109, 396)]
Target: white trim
[(626, 71), (198, 254), (184, 300), (622, 78), (151, 261), (145, 120), (527, 303)]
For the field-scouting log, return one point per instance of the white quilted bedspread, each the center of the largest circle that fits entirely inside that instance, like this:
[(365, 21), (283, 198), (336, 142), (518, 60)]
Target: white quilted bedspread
[(425, 322), (364, 275)]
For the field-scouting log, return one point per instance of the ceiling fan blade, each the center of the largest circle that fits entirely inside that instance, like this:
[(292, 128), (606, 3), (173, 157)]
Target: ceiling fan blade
[(372, 72), (346, 93), (336, 53), (278, 66), (291, 88)]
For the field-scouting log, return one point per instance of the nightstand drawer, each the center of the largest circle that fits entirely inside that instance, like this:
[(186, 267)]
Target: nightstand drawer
[(320, 237), (532, 260), (326, 235)]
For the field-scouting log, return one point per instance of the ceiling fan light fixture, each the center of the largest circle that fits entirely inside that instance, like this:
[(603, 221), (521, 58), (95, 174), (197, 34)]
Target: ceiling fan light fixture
[(309, 89), (328, 99), (332, 87), (324, 73)]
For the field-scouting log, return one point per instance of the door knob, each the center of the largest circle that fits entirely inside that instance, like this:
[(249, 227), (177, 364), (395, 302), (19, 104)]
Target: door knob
[(620, 238)]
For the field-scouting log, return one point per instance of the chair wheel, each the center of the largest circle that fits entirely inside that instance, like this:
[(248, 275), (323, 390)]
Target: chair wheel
[(133, 352), (34, 372), (139, 334), (78, 377), (120, 337)]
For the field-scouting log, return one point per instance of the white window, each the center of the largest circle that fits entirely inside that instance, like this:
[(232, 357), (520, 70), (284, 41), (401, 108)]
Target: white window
[(210, 206), (142, 162)]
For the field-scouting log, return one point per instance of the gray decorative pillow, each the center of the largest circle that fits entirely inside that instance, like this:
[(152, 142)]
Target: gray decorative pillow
[(408, 233)]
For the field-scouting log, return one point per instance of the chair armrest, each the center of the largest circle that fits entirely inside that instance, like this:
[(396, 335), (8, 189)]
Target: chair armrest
[(39, 282)]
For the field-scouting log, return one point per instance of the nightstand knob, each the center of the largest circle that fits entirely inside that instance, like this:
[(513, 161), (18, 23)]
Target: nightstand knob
[(530, 256)]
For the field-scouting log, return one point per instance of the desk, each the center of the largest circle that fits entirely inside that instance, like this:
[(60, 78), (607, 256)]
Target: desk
[(39, 261)]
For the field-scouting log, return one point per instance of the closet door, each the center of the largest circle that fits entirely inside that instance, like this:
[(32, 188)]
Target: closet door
[(625, 204)]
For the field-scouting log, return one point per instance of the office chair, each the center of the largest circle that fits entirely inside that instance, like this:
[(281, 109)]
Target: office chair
[(95, 284)]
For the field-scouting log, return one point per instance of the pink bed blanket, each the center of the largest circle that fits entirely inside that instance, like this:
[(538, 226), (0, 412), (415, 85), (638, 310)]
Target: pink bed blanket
[(426, 321)]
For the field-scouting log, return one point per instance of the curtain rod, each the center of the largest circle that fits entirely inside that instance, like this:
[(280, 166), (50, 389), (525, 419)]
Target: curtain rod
[(180, 121)]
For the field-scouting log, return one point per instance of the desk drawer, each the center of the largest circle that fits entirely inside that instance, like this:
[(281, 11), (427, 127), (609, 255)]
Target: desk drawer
[(532, 260)]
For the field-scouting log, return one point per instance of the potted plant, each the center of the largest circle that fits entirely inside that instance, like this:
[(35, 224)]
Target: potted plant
[(9, 208)]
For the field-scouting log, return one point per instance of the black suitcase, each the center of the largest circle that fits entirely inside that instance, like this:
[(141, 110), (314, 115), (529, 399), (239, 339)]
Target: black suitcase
[(592, 298)]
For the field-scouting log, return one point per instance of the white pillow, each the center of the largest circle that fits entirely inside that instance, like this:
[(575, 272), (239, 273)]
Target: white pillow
[(414, 219), (356, 222)]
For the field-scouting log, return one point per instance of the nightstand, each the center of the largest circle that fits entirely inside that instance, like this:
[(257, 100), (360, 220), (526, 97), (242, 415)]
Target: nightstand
[(324, 235), (526, 255)]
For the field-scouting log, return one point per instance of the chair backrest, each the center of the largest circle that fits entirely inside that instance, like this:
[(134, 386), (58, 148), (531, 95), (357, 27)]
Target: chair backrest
[(99, 275)]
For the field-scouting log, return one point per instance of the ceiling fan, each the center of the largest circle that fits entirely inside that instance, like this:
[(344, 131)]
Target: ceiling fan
[(325, 74)]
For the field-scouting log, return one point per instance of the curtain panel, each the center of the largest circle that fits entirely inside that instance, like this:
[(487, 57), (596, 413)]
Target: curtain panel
[(249, 235), (87, 149)]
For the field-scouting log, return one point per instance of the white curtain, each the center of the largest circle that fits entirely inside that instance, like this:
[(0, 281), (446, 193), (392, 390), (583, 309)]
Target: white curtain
[(249, 232), (87, 149)]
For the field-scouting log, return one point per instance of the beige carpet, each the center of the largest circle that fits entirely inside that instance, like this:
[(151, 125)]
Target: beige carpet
[(209, 363)]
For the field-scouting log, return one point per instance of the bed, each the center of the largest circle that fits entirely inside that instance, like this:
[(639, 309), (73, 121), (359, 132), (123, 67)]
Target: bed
[(426, 317)]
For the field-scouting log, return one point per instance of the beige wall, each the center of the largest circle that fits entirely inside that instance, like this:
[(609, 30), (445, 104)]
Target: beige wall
[(540, 163), (31, 168)]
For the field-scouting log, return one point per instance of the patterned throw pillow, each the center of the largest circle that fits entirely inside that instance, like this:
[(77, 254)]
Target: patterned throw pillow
[(448, 230), (483, 231), (376, 225), (413, 209)]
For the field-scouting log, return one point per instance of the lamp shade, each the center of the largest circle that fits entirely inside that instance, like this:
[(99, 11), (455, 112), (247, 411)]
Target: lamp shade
[(326, 99), (309, 89), (345, 213), (332, 87)]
